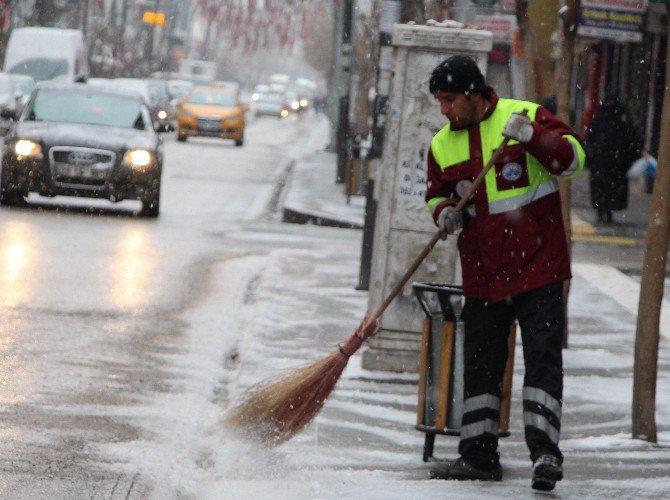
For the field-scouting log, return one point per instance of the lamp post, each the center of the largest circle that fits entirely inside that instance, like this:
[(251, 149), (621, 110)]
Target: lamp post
[(344, 89)]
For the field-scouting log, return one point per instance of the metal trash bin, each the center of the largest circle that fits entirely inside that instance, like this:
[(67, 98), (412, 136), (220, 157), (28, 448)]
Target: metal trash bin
[(440, 406)]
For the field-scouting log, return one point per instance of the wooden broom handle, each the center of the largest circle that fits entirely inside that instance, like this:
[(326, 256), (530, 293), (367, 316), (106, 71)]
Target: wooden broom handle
[(433, 241)]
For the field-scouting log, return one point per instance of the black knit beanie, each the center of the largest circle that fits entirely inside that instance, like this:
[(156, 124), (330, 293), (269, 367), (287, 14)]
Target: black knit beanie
[(459, 74)]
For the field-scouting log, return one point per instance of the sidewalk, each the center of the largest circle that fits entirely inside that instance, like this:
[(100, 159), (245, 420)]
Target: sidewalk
[(363, 444)]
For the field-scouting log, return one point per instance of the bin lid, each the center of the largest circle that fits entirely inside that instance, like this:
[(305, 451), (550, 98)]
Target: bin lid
[(437, 299)]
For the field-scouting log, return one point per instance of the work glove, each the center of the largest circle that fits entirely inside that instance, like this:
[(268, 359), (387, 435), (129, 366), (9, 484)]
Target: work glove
[(518, 127), (449, 221)]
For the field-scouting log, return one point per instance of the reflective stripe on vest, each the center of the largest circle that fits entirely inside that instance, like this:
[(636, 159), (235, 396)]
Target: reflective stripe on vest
[(450, 148)]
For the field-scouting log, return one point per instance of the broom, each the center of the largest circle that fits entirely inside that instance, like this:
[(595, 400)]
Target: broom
[(275, 410)]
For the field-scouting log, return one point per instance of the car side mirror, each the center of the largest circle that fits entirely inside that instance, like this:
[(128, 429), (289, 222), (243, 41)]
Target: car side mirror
[(9, 114), (245, 107)]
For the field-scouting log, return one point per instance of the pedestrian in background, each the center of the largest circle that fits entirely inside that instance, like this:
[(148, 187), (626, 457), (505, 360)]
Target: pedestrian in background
[(612, 145), (514, 260)]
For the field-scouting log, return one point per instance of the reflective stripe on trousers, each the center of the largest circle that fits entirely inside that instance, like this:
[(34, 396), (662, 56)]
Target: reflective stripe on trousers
[(485, 425), (539, 405)]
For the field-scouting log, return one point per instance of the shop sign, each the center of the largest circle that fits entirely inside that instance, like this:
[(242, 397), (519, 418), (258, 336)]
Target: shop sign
[(502, 26), (617, 20)]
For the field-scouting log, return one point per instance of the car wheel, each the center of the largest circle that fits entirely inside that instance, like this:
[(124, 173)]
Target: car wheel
[(181, 138), (239, 142)]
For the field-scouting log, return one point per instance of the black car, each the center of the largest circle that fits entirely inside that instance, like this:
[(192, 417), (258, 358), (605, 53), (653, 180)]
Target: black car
[(87, 141)]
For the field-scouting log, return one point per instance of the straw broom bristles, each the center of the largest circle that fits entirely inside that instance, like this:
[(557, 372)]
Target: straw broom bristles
[(275, 410)]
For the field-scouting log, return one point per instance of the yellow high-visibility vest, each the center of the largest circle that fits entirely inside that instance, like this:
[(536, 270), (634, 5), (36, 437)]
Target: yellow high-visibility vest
[(452, 147)]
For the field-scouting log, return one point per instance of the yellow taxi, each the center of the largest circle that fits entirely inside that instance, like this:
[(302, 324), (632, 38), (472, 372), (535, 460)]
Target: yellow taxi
[(211, 111)]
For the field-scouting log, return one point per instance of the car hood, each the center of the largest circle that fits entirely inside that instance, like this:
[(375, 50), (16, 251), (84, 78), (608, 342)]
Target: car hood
[(207, 110), (92, 136)]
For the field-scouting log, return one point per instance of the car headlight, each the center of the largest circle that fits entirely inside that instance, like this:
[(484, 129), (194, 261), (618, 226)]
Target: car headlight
[(233, 119), (185, 115), (284, 113), (295, 105), (162, 114), (137, 158), (27, 148), (304, 103)]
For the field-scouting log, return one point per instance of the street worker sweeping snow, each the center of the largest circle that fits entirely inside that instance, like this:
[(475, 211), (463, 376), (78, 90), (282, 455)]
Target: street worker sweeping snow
[(514, 258)]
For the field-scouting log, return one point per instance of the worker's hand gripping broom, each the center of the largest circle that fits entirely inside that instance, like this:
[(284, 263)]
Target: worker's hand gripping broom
[(276, 409)]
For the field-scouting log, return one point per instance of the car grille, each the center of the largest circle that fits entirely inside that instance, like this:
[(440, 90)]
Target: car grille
[(82, 168), (209, 125)]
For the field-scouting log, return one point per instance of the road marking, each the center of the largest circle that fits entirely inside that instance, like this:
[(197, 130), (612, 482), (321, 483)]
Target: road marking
[(609, 240), (580, 226), (622, 288)]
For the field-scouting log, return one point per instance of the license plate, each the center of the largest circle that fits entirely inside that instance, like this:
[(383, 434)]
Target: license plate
[(75, 171), (210, 125)]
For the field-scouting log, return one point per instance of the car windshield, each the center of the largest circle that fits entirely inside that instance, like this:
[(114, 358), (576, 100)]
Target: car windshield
[(41, 68), (87, 108), (212, 98), (269, 99)]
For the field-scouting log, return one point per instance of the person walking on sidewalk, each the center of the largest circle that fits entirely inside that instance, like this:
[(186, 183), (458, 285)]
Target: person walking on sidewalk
[(514, 259), (612, 145)]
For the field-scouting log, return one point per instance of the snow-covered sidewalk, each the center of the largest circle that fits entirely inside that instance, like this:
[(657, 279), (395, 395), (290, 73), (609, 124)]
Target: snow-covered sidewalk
[(364, 445)]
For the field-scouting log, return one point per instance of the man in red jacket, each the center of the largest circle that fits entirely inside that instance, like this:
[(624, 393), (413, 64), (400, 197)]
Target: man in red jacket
[(514, 258)]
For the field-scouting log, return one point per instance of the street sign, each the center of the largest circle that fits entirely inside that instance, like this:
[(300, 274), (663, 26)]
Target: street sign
[(151, 17)]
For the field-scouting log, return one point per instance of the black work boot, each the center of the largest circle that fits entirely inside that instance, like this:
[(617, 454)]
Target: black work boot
[(547, 469), (460, 470)]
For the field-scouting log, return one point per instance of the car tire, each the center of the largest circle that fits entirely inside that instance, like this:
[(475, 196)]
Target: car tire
[(150, 207), (181, 138), (239, 142), (9, 197), (151, 202)]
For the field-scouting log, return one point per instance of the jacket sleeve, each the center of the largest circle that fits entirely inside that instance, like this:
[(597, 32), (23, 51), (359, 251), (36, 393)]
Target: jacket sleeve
[(439, 193), (555, 145)]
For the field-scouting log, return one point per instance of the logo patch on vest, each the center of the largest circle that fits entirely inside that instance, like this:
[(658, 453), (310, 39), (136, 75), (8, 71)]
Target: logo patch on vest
[(463, 187), (512, 172)]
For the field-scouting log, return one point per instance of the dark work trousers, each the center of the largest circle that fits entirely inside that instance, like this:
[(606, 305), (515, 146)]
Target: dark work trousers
[(540, 316)]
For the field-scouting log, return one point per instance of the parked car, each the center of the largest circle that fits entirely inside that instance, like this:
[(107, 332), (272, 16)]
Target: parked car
[(85, 141), (212, 111), (8, 102)]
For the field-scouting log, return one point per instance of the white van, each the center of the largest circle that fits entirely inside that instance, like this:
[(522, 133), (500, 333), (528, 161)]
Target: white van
[(47, 54)]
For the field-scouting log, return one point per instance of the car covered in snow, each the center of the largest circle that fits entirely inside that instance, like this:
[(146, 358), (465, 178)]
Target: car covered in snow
[(85, 141)]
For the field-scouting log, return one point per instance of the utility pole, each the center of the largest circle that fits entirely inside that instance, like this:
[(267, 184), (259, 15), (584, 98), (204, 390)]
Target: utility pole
[(344, 89), (569, 17), (645, 367)]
